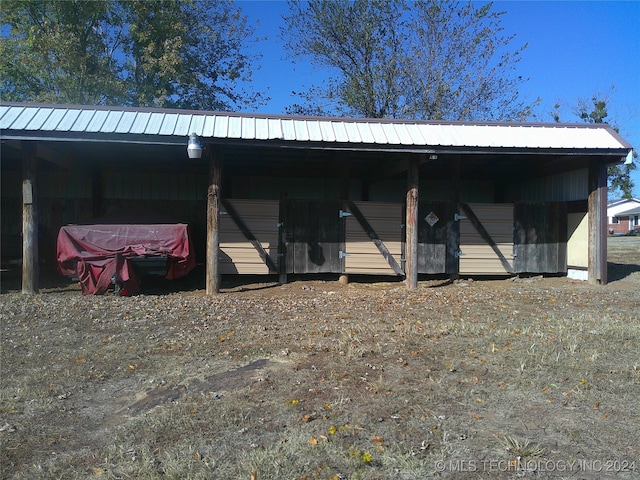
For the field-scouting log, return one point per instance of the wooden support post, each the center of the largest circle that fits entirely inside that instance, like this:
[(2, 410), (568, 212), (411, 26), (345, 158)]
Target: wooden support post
[(597, 201), (30, 268), (213, 230), (411, 254)]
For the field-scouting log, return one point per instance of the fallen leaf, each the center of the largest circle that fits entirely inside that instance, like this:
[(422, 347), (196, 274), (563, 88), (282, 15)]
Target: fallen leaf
[(377, 439), (313, 441)]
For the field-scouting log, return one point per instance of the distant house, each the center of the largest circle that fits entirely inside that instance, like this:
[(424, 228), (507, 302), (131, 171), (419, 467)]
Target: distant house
[(623, 216)]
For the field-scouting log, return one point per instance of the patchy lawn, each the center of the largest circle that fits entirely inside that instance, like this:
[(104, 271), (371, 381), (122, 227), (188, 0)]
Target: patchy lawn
[(533, 378)]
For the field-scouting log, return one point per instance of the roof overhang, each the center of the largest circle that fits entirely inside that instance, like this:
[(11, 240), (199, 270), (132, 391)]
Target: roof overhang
[(144, 126)]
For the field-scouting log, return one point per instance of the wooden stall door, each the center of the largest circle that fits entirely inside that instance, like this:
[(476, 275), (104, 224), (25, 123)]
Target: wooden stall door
[(541, 237), (314, 235), (486, 239), (437, 238)]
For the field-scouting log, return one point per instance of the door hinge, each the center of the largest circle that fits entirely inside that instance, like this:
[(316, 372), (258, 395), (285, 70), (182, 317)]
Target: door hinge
[(342, 254), (459, 254), (457, 217), (344, 213)]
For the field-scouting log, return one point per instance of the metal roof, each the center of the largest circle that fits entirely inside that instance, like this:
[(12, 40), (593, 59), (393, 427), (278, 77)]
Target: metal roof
[(65, 121)]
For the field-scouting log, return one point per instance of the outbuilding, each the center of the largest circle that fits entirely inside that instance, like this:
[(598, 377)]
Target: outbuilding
[(272, 194)]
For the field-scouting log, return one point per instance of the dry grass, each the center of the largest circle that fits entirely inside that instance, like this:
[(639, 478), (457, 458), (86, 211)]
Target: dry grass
[(480, 379)]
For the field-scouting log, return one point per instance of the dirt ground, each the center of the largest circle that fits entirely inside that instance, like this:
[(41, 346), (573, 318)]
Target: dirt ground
[(503, 378)]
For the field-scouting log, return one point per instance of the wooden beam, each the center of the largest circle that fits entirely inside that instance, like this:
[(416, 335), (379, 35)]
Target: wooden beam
[(411, 252), (597, 202), (30, 270), (213, 225)]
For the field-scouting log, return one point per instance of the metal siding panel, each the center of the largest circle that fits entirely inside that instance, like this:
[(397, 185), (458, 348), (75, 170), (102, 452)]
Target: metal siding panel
[(248, 128), (352, 132), (53, 120), (448, 136), (67, 120), (479, 258), (140, 123), (24, 118), (8, 115), (365, 133), (262, 129), (378, 133), (39, 119), (416, 136), (315, 134), (364, 257), (328, 133), (261, 218), (300, 127), (390, 134), (221, 126), (112, 121), (169, 124), (234, 129), (83, 120), (6, 110), (403, 135), (182, 125), (96, 123), (288, 130), (155, 122), (124, 125), (197, 122), (275, 129), (340, 132), (209, 125)]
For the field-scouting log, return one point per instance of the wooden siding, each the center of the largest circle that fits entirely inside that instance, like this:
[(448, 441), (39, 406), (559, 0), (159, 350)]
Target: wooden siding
[(314, 235), (154, 186), (478, 257), (237, 254), (364, 257), (559, 187), (540, 237)]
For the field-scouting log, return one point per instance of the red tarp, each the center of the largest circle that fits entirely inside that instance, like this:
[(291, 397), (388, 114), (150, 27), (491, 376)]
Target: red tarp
[(90, 252)]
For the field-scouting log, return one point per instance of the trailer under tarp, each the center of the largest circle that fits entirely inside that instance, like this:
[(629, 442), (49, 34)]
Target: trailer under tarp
[(104, 254)]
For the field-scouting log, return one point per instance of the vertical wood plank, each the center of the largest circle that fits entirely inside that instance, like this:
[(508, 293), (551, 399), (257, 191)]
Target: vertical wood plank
[(453, 226), (412, 224), (96, 193), (213, 229), (597, 269), (283, 225), (30, 270)]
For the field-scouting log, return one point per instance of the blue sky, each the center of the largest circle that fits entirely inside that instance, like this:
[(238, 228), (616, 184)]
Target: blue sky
[(575, 50)]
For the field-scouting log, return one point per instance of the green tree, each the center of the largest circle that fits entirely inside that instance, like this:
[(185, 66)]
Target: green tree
[(178, 53), (595, 110), (428, 59)]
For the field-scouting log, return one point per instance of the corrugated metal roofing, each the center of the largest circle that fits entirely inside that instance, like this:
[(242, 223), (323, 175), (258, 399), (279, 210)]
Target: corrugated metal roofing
[(63, 119)]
